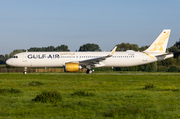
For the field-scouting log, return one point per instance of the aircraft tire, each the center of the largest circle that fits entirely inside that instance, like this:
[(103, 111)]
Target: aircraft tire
[(89, 71)]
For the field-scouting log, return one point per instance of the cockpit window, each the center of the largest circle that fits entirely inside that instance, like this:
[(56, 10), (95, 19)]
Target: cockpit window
[(15, 57)]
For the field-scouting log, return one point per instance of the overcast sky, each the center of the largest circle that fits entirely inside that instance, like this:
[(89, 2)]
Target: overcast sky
[(42, 23)]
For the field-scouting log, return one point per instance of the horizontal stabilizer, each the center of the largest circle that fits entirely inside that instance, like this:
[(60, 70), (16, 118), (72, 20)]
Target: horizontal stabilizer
[(164, 56)]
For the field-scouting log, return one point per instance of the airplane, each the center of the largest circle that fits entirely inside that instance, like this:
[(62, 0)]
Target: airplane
[(75, 61)]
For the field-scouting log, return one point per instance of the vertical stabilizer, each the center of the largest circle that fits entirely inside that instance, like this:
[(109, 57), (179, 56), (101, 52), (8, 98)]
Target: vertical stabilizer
[(160, 44)]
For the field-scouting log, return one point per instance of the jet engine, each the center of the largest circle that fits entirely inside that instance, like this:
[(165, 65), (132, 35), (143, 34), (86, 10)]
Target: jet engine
[(72, 67)]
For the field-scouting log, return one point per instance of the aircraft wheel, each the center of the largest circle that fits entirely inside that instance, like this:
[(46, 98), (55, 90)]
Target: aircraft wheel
[(89, 71), (25, 70)]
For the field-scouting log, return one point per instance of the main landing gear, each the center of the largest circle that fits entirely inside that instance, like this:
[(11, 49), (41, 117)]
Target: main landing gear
[(89, 71)]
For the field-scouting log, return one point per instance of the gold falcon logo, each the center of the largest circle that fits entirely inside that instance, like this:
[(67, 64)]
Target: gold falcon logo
[(158, 46)]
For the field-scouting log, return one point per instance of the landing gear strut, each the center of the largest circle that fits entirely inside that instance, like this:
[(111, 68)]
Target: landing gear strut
[(25, 70), (89, 71)]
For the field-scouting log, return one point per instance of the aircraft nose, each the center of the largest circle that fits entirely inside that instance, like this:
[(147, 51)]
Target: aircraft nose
[(9, 62)]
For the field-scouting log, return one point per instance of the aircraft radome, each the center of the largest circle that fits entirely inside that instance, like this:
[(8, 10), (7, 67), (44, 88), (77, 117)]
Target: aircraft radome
[(75, 61)]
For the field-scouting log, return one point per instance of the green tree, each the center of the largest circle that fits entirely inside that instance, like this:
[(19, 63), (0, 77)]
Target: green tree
[(176, 61), (173, 69), (89, 47), (148, 67), (49, 48), (142, 68), (143, 48), (62, 48), (2, 59), (16, 51), (167, 62), (154, 66), (6, 57), (127, 46), (173, 49)]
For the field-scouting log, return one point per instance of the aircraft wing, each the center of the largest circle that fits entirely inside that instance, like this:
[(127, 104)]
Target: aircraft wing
[(97, 60)]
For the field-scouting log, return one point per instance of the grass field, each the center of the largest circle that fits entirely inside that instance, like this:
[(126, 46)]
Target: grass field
[(89, 96)]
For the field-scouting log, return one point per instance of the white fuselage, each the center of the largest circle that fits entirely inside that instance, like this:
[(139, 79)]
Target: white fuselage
[(58, 59)]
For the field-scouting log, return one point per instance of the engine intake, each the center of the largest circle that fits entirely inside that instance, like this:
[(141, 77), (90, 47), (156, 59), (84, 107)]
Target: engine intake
[(72, 67)]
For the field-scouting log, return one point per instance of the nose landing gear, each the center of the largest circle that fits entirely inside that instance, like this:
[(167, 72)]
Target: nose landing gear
[(25, 70)]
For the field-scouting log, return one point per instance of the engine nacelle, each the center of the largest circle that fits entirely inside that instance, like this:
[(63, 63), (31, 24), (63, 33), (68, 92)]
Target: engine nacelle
[(72, 67)]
